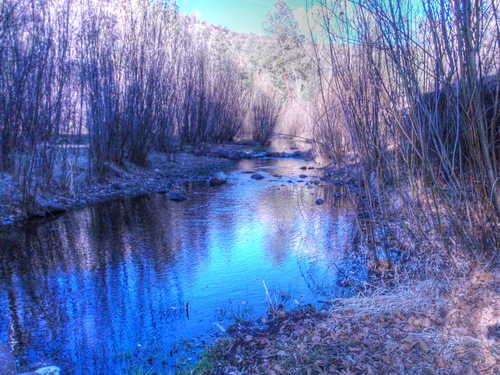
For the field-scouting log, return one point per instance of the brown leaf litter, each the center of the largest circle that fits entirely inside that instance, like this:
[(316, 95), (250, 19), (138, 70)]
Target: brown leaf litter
[(423, 327)]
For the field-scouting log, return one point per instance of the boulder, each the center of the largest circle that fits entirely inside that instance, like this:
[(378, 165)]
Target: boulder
[(303, 176), (216, 181), (7, 361), (319, 201), (45, 208), (303, 168), (176, 196), (45, 370), (257, 176), (49, 370)]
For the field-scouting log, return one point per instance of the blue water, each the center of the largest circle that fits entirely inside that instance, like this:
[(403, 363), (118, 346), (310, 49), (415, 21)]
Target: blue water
[(106, 289)]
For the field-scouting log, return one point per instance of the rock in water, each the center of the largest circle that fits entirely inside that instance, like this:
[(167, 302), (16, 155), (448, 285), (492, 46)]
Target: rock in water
[(49, 370), (257, 176), (54, 208), (319, 201), (7, 361), (45, 208), (176, 196), (216, 181)]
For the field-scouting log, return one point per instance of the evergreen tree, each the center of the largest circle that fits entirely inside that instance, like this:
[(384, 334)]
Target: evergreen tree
[(287, 62)]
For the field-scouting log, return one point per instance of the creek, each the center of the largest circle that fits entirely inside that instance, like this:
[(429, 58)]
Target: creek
[(148, 282)]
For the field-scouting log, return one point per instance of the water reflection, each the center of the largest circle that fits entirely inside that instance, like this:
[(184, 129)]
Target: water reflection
[(106, 287)]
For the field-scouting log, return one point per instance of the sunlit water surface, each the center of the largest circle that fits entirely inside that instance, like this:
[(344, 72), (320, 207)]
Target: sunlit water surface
[(104, 289)]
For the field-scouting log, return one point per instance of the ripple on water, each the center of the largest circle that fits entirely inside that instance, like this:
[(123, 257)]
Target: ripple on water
[(107, 287)]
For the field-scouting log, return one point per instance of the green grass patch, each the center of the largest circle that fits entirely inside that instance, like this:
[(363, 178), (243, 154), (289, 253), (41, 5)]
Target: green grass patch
[(208, 361)]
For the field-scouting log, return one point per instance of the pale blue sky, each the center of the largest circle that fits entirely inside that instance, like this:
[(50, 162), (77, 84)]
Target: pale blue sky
[(245, 16)]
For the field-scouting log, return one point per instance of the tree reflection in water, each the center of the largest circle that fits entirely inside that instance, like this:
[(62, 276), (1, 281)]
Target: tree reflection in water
[(86, 289)]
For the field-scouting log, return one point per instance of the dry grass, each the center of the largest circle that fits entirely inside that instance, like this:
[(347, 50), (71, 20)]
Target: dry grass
[(435, 326)]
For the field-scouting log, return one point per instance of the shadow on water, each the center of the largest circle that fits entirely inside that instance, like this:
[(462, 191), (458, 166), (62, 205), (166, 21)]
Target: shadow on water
[(104, 288)]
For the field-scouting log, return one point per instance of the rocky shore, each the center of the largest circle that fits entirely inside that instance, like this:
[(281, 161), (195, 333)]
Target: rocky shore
[(160, 175)]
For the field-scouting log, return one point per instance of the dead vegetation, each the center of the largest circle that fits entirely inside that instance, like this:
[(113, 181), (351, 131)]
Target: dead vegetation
[(427, 327)]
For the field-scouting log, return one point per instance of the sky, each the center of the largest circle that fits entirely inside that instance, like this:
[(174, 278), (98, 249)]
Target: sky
[(244, 16)]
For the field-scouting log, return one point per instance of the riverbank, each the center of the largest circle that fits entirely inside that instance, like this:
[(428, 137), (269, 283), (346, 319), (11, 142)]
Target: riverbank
[(161, 173), (438, 326), (430, 311)]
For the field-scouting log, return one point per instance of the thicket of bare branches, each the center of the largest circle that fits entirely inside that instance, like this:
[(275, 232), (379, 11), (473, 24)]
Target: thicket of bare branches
[(418, 89), (265, 114), (134, 75)]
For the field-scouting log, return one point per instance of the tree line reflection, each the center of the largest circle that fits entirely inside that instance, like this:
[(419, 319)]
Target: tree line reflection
[(85, 289)]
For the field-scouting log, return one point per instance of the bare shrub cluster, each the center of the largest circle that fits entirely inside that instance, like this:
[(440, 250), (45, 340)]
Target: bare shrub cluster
[(133, 75), (265, 114), (412, 90)]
